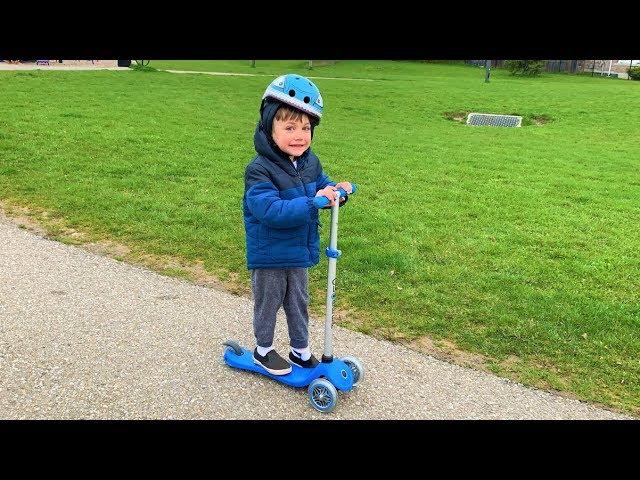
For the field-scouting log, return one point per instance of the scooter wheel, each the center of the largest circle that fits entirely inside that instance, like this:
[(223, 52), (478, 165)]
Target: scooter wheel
[(237, 349), (323, 396), (356, 368)]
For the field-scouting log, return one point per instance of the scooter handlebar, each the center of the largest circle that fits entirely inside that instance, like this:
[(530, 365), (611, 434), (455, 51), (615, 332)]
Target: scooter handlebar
[(321, 202)]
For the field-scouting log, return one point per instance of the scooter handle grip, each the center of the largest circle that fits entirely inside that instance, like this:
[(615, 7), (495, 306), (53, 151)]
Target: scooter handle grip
[(321, 202)]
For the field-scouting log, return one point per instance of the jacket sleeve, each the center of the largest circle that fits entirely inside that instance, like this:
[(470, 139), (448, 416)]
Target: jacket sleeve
[(264, 202), (324, 180)]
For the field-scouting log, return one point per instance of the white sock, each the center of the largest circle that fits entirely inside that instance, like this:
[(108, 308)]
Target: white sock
[(303, 353), (262, 351)]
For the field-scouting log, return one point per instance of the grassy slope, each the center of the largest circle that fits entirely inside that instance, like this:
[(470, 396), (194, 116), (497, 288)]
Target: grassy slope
[(516, 244)]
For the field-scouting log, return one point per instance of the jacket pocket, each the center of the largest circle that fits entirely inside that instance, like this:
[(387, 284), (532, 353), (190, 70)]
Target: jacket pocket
[(288, 236), (263, 239), (288, 244)]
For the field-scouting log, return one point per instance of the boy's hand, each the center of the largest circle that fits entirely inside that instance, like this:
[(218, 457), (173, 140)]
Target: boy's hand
[(329, 192), (346, 186)]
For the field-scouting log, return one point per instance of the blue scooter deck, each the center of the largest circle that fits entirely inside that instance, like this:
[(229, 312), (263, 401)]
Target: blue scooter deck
[(298, 377)]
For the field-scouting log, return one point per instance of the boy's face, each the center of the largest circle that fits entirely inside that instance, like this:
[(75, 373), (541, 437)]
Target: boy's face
[(292, 136)]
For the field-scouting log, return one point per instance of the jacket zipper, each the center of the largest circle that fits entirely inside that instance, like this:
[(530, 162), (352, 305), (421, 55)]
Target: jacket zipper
[(305, 193)]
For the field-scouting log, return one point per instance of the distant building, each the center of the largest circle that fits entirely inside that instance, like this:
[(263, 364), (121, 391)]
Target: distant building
[(67, 63), (616, 68)]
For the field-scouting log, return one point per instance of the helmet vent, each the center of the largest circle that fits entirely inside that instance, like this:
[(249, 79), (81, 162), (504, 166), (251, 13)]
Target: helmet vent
[(307, 99), (292, 93)]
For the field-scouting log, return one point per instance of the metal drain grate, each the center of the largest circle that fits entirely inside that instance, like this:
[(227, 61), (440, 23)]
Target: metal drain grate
[(491, 120)]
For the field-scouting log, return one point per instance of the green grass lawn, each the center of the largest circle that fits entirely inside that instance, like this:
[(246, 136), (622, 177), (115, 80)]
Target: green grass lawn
[(517, 246)]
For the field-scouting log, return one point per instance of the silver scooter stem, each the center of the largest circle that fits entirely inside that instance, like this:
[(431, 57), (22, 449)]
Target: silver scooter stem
[(331, 279)]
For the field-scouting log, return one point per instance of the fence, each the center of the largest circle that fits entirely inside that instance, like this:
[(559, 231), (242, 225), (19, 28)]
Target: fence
[(568, 66)]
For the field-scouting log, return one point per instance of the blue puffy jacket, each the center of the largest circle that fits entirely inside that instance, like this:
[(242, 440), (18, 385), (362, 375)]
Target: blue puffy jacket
[(281, 222)]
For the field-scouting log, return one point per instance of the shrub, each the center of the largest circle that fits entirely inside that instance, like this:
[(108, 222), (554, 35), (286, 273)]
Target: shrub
[(634, 73), (529, 68), (142, 68)]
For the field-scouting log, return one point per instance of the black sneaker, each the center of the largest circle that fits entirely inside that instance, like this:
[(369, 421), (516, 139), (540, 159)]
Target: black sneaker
[(312, 362), (272, 362)]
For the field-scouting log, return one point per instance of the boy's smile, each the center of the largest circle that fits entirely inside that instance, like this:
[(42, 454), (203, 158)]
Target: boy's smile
[(293, 137)]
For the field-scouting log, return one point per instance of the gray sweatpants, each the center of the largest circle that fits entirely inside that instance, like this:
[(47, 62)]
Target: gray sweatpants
[(280, 287)]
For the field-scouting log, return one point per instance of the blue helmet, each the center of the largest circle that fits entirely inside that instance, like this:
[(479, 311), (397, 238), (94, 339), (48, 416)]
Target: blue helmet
[(298, 92)]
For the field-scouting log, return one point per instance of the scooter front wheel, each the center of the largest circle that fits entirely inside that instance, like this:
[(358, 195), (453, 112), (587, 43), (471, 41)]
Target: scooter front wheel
[(356, 368), (323, 396)]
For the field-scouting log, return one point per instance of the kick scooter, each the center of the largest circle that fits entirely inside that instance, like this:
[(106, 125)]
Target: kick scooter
[(331, 374)]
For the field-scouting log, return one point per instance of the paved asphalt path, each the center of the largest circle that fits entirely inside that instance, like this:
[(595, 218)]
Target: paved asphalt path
[(83, 336)]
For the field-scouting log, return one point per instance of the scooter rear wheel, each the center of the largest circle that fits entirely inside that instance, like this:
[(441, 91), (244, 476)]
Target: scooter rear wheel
[(237, 349)]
